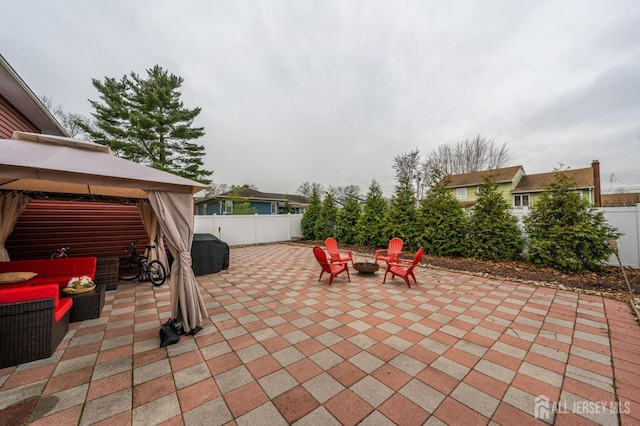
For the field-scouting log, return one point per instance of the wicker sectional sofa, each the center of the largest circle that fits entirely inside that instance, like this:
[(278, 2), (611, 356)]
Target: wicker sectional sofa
[(34, 314), (33, 322), (50, 271)]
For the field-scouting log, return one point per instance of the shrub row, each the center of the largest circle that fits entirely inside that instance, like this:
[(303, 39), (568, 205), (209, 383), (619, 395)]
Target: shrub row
[(561, 231)]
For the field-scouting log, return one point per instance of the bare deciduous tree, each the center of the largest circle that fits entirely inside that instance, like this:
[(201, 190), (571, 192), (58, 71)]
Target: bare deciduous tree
[(306, 189), (406, 165), (469, 155), (68, 120), (240, 188), (217, 189), (347, 190)]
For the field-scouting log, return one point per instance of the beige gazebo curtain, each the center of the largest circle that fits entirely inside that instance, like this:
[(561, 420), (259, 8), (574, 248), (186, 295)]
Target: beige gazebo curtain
[(12, 204), (175, 214), (154, 231)]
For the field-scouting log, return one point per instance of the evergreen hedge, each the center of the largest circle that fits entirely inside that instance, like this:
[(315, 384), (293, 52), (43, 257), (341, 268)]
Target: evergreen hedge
[(493, 232), (442, 222), (370, 225), (564, 232)]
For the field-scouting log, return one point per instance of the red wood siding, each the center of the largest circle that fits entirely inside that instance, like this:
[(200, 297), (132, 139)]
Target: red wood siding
[(11, 120), (87, 228)]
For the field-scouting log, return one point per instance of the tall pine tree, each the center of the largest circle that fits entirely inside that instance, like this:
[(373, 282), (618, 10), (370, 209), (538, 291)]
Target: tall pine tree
[(144, 120)]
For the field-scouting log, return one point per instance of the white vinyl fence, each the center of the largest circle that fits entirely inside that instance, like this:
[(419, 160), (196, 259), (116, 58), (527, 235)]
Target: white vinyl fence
[(254, 229), (627, 221), (250, 229)]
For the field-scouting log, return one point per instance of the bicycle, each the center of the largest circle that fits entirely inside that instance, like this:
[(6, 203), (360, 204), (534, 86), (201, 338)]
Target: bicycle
[(60, 253), (136, 266)]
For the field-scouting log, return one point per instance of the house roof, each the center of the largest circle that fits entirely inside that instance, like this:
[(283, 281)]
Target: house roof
[(16, 91), (625, 199), (254, 194), (341, 199), (468, 204), (503, 175), (298, 199), (582, 178)]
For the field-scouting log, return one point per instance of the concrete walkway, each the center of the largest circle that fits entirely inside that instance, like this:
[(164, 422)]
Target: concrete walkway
[(282, 348)]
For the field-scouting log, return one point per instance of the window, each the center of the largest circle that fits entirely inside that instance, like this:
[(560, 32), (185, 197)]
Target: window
[(227, 207), (274, 208), (461, 193), (521, 200), (204, 209)]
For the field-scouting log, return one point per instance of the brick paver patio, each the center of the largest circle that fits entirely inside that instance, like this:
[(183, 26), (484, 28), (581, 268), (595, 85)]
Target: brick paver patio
[(280, 348)]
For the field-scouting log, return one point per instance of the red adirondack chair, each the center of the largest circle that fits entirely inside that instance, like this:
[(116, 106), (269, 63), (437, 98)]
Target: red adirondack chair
[(391, 253), (404, 268), (332, 268), (335, 253)]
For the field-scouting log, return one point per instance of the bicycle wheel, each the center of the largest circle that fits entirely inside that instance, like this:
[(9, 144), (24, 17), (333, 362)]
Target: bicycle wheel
[(129, 269), (157, 273)]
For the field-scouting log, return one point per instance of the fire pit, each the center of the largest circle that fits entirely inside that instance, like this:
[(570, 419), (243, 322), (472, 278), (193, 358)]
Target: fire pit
[(366, 267)]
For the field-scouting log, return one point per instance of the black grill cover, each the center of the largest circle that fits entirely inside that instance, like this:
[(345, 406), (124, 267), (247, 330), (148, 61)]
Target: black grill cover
[(208, 254)]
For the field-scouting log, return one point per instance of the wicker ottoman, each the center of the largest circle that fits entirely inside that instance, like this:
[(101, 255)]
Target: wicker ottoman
[(87, 305), (107, 272)]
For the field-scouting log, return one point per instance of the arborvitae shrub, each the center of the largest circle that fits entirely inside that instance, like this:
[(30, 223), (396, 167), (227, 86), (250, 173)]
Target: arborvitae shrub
[(442, 222), (401, 217), (564, 232), (370, 226), (310, 216), (347, 219), (493, 232), (326, 221)]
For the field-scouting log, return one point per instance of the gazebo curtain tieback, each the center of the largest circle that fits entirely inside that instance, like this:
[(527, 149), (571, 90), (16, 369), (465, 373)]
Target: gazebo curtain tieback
[(185, 259)]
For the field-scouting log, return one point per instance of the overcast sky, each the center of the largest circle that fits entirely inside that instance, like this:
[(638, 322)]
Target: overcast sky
[(330, 91)]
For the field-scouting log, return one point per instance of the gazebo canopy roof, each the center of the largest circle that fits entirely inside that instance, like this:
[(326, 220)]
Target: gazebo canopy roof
[(43, 163)]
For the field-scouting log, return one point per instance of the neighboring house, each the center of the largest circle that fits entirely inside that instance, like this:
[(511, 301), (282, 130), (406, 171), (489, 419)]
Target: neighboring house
[(587, 184), (259, 202), (20, 108), (466, 186), (341, 199), (521, 190)]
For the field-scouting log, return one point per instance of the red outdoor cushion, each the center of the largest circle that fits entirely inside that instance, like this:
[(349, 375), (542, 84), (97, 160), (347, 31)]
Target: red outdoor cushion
[(16, 285), (49, 291), (14, 295), (63, 307), (61, 280), (34, 265), (72, 266)]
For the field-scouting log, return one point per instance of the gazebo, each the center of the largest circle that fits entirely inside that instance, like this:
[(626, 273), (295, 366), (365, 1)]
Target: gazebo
[(31, 162)]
